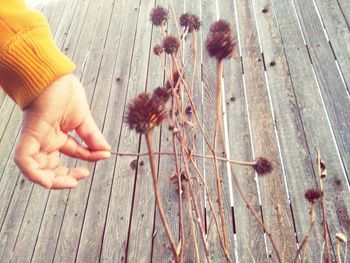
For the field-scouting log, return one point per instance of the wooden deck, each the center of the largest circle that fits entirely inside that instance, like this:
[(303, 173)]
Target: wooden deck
[(286, 92)]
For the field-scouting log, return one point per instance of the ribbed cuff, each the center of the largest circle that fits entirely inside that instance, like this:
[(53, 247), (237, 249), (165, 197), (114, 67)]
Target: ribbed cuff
[(29, 63)]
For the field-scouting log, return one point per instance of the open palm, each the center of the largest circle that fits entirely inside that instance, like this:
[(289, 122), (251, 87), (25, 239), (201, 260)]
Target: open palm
[(47, 121)]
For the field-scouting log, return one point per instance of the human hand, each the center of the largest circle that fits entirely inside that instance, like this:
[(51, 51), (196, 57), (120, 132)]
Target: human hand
[(62, 107)]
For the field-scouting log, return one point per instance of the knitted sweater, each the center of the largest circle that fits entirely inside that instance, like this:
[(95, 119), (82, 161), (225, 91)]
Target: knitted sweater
[(29, 58)]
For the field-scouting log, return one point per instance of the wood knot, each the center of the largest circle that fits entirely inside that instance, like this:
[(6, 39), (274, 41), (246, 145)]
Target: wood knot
[(133, 164)]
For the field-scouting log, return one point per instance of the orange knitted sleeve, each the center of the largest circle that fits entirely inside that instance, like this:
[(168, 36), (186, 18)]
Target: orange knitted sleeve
[(29, 58)]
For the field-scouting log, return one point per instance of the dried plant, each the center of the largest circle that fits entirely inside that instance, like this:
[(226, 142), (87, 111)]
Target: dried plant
[(144, 113), (167, 104)]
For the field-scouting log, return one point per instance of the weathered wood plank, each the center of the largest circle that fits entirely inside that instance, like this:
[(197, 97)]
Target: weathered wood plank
[(339, 34), (246, 227), (294, 148), (133, 78), (275, 206), (8, 139), (317, 129), (345, 8), (6, 110), (335, 96), (2, 97)]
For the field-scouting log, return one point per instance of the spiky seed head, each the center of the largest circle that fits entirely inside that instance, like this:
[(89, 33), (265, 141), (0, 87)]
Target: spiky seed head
[(220, 43), (221, 27), (263, 166), (341, 238), (313, 195), (158, 49), (159, 16), (171, 44), (144, 113), (190, 21), (162, 94)]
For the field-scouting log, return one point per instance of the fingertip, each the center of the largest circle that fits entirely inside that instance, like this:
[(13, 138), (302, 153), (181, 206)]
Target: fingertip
[(64, 182), (79, 173)]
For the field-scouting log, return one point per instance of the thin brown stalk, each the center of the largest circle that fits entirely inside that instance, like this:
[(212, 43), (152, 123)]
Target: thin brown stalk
[(181, 232), (307, 236), (243, 163), (339, 260), (200, 222), (157, 194), (324, 213), (175, 22), (193, 229), (216, 220), (216, 129), (194, 43), (258, 219)]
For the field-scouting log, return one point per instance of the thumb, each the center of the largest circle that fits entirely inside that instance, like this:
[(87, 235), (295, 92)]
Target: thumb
[(91, 135)]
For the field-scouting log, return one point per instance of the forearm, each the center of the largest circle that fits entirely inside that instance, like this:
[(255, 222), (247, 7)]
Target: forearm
[(29, 58)]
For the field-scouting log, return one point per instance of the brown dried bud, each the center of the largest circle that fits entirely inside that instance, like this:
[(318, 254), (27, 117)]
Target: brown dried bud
[(159, 16), (171, 44), (313, 195), (190, 22), (144, 113), (161, 94), (220, 43), (158, 50), (262, 166)]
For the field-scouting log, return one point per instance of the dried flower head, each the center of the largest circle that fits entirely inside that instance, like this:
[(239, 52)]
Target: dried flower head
[(176, 78), (262, 166), (158, 49), (190, 22), (171, 44), (341, 238), (159, 16), (162, 94), (144, 113), (220, 43), (221, 27), (313, 195)]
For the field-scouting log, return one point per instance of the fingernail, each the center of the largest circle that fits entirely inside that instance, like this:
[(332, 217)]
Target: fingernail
[(106, 154)]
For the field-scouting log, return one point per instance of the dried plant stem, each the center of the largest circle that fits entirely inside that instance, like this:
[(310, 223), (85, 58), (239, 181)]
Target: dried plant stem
[(216, 220), (216, 129), (258, 219), (150, 146), (307, 236), (324, 213), (194, 43), (199, 221), (193, 229), (243, 163), (339, 260), (175, 21), (181, 232)]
